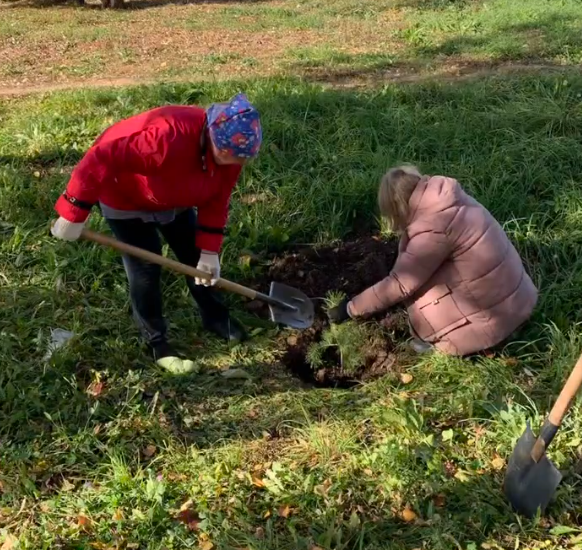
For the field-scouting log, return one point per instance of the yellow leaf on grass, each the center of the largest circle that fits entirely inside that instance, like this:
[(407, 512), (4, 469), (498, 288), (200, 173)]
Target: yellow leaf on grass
[(118, 515), (187, 505), (83, 521), (206, 545), (285, 511), (267, 514), (498, 463), (10, 542), (462, 476), (258, 482), (67, 485), (406, 378), (408, 515)]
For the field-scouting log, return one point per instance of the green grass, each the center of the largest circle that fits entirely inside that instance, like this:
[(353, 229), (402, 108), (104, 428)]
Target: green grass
[(100, 450), (498, 30)]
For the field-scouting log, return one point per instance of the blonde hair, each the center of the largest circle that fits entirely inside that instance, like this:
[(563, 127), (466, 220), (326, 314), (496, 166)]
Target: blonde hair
[(394, 194)]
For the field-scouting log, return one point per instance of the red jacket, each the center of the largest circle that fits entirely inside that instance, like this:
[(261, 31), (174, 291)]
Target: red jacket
[(154, 161)]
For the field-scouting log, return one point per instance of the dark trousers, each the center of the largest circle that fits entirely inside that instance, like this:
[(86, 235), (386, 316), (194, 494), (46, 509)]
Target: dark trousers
[(144, 277)]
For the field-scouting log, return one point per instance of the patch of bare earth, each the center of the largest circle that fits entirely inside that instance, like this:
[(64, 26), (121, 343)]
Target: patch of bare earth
[(58, 48), (87, 48)]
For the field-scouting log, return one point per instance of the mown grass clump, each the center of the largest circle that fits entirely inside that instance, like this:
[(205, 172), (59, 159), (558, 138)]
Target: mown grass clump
[(98, 449)]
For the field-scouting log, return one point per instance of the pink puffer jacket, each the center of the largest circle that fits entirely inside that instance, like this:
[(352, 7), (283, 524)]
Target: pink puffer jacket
[(460, 277)]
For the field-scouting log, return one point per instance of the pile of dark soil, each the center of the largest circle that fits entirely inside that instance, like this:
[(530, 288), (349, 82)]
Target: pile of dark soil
[(350, 267)]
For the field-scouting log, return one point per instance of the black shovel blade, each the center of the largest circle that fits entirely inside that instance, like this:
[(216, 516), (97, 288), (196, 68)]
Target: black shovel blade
[(296, 310), (529, 486)]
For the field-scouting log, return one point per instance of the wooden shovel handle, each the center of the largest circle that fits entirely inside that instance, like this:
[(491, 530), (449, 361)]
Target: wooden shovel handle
[(567, 394), (178, 267), (558, 412)]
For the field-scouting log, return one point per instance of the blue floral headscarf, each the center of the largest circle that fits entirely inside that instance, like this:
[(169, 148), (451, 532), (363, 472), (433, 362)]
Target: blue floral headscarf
[(235, 127)]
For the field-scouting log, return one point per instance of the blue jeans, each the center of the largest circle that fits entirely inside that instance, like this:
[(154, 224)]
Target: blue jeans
[(144, 277)]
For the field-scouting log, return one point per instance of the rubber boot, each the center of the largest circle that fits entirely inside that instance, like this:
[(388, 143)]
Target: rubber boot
[(166, 357)]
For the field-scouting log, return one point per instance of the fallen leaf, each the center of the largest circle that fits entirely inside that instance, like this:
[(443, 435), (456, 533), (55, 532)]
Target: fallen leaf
[(137, 514), (149, 451), (36, 174), (368, 472), (285, 511), (406, 378), (188, 516), (498, 463), (439, 500), (67, 486), (83, 521), (267, 514), (354, 522), (408, 515), (463, 477), (188, 504), (95, 389), (46, 507), (257, 482), (9, 542), (206, 545), (118, 515), (236, 374)]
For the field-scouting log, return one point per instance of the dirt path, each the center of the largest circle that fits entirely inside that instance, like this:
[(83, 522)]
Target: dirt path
[(346, 79)]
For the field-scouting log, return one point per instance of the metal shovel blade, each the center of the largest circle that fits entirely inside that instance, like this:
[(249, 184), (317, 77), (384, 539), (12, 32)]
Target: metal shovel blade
[(529, 486), (296, 309)]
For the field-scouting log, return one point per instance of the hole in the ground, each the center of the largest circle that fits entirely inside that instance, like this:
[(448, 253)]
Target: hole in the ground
[(350, 267)]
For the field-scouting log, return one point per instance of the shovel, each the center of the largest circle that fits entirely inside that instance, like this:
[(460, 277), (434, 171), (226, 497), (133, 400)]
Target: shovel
[(288, 305), (531, 479)]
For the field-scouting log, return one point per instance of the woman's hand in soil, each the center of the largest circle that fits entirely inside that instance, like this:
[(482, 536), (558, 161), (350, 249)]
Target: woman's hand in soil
[(339, 313)]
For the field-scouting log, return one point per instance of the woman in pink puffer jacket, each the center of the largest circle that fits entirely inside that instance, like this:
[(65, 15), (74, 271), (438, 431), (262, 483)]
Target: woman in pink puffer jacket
[(461, 279)]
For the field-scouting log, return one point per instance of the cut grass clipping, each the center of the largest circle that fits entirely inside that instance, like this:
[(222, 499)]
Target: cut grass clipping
[(98, 450)]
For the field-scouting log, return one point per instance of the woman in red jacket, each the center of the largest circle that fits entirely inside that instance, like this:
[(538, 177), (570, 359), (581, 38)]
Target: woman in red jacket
[(170, 170)]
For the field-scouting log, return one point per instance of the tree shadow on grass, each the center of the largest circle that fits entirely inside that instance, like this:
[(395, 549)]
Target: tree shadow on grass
[(548, 36), (540, 41)]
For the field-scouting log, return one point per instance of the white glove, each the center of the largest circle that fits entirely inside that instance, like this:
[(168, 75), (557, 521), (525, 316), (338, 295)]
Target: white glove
[(66, 230), (210, 263)]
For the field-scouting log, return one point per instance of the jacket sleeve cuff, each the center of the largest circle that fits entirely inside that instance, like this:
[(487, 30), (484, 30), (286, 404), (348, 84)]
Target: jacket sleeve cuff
[(70, 212), (209, 241), (351, 314)]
